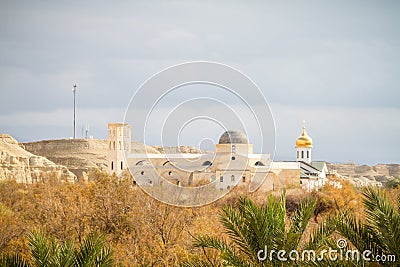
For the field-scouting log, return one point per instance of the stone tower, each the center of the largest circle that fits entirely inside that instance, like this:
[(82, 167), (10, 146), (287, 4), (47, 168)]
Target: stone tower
[(303, 147), (119, 143)]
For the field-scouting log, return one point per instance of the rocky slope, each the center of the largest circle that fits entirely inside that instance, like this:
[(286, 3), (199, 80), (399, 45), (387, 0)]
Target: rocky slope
[(23, 166), (363, 174), (79, 155)]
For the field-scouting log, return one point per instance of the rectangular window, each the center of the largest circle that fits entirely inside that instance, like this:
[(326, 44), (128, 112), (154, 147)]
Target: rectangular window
[(221, 179), (308, 156)]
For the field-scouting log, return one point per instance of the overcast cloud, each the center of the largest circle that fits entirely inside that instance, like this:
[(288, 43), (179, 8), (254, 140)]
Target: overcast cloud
[(334, 64)]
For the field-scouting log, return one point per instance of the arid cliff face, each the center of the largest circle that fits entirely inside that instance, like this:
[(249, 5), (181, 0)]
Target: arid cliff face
[(79, 155), (361, 174), (18, 164)]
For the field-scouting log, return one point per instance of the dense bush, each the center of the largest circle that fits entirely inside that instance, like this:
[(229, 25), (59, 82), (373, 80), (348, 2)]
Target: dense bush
[(142, 231)]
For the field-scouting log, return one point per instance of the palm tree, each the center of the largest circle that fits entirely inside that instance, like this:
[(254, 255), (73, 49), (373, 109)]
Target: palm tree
[(46, 251), (380, 233), (250, 228)]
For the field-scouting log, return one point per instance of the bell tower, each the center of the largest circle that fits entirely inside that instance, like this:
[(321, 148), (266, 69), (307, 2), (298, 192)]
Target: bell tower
[(119, 143), (304, 146)]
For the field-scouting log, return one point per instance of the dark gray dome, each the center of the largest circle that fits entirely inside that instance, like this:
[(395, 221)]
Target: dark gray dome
[(233, 137)]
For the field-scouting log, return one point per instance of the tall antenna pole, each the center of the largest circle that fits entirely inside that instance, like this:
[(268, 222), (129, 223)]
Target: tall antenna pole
[(74, 91)]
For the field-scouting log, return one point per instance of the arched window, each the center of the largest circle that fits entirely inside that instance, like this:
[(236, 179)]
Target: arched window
[(232, 178), (259, 163), (190, 181), (233, 158), (143, 163), (112, 165), (244, 179), (308, 155), (302, 154)]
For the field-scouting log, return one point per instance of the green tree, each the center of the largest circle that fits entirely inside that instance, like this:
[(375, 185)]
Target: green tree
[(45, 251), (393, 183), (249, 228), (380, 233)]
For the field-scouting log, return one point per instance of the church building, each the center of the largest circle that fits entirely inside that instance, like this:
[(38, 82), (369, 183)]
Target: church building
[(312, 173), (233, 163)]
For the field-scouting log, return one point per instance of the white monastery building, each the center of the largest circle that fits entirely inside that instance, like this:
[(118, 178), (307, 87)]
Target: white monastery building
[(232, 163)]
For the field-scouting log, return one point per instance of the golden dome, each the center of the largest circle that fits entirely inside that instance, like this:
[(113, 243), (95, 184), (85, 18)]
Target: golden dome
[(304, 140)]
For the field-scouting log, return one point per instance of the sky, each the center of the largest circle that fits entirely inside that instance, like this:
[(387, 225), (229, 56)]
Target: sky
[(334, 64)]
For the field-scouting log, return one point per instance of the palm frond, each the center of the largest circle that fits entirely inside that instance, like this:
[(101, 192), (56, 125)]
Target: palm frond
[(66, 255), (93, 251), (356, 232), (200, 263), (383, 220), (228, 253), (41, 248), (251, 228), (299, 222), (13, 260), (205, 241), (321, 235), (236, 228)]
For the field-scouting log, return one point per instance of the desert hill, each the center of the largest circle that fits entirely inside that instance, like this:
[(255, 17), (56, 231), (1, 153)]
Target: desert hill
[(17, 163), (79, 155), (362, 175)]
